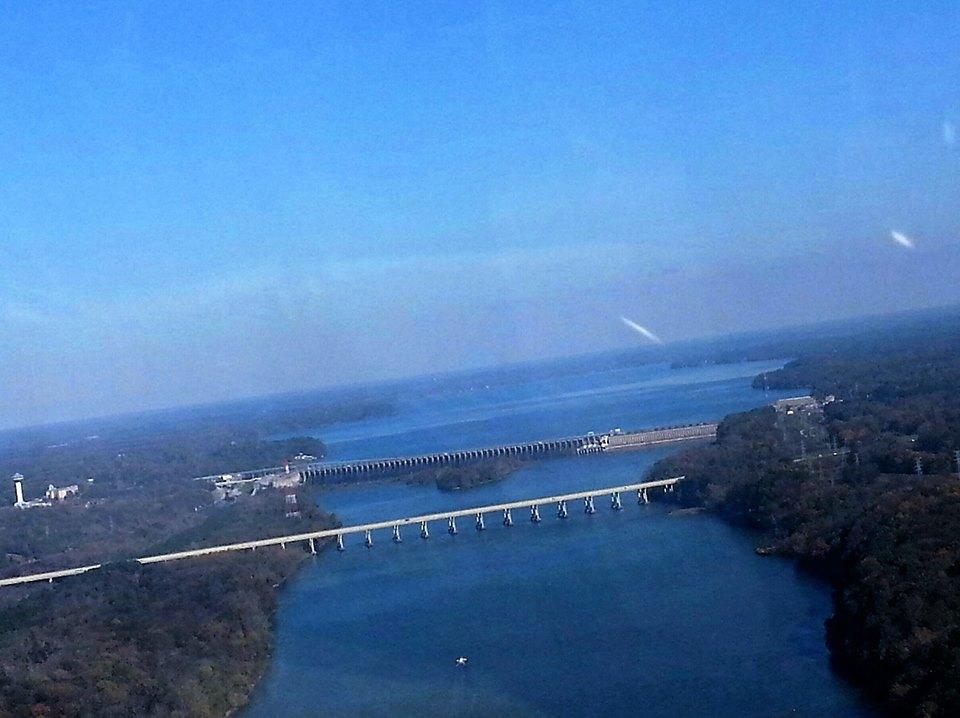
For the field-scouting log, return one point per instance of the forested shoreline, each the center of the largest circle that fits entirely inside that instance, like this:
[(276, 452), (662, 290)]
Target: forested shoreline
[(860, 491), (468, 476), (874, 505), (184, 639), (189, 638)]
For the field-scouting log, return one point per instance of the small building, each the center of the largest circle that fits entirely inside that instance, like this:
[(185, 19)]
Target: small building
[(59, 494), (293, 508), (280, 481), (18, 489), (795, 403)]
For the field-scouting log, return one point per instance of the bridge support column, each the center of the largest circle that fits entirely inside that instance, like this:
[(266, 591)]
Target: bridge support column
[(507, 518), (562, 510), (642, 497), (535, 514), (588, 507), (452, 526), (368, 539), (313, 547), (480, 526), (397, 538), (424, 531), (615, 501), (340, 546)]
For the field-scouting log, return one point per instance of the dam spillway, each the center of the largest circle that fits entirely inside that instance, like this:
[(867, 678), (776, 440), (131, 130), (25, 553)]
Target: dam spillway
[(568, 446), (591, 443)]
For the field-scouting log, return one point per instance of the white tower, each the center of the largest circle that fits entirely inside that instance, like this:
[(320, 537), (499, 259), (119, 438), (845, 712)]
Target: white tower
[(18, 488)]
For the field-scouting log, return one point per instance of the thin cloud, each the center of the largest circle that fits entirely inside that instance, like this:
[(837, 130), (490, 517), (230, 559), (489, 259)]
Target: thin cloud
[(642, 331), (902, 239), (949, 134)]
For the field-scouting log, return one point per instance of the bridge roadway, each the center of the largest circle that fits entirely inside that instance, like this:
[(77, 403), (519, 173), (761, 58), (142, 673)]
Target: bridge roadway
[(311, 537), (49, 575), (585, 444)]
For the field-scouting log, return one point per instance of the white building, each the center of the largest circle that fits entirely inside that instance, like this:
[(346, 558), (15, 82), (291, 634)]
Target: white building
[(19, 501), (18, 489), (55, 494), (280, 481), (796, 403)]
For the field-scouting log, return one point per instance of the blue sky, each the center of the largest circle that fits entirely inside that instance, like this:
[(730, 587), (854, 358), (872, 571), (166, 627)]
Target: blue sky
[(204, 201)]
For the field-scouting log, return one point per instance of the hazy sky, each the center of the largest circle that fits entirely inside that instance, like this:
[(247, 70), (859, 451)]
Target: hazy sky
[(202, 200)]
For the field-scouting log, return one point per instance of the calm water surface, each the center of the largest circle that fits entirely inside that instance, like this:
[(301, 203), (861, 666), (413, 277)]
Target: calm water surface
[(620, 613)]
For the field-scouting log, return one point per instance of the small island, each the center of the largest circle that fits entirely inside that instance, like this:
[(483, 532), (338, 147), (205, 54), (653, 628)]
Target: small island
[(457, 478)]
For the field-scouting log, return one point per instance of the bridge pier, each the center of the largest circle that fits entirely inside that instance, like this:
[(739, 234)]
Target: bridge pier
[(338, 533), (424, 531), (642, 497), (397, 538), (452, 526), (588, 507), (561, 509), (507, 518), (480, 526), (615, 501)]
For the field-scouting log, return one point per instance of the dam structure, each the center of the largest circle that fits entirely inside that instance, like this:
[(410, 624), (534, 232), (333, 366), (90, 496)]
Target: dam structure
[(591, 443), (562, 503)]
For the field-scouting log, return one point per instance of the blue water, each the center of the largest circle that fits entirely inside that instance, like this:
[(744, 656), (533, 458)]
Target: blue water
[(632, 397), (620, 613)]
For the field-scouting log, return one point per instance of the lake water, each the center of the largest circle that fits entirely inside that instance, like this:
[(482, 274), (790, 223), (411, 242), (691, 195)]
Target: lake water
[(620, 613)]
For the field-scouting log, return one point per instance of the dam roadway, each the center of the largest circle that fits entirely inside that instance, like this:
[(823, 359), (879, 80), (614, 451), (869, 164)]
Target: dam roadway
[(332, 472), (477, 513)]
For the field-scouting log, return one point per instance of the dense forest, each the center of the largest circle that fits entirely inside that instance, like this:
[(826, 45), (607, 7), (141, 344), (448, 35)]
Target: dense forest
[(468, 476), (135, 474), (183, 639), (126, 501), (861, 490), (874, 506), (186, 639)]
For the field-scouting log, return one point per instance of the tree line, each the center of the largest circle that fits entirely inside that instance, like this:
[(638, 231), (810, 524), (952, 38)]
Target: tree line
[(881, 519)]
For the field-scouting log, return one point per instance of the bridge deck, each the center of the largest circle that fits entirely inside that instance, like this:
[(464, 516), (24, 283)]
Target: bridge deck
[(360, 528), (49, 575)]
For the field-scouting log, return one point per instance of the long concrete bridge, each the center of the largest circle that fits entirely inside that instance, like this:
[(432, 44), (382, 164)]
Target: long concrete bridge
[(323, 471), (449, 518)]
